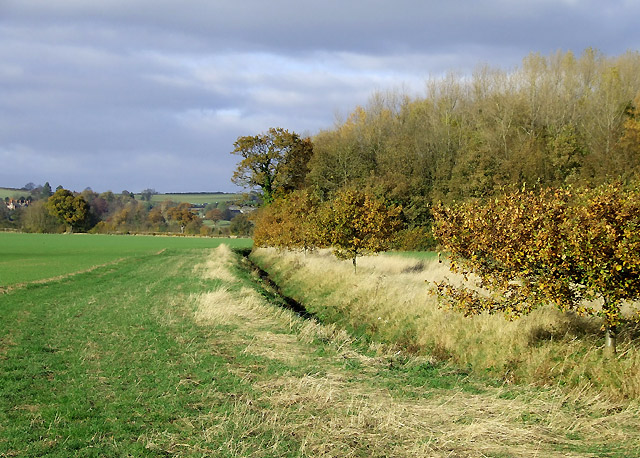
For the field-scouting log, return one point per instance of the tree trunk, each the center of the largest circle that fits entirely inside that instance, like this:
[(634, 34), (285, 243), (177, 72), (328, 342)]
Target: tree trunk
[(355, 267), (610, 341)]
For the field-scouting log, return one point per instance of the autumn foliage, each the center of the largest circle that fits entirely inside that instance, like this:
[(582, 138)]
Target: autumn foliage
[(353, 223), (560, 246), (289, 222), (69, 208), (274, 162)]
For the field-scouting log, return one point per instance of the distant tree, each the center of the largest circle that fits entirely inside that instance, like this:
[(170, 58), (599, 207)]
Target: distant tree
[(147, 194), (37, 218), (130, 216), (29, 186), (5, 219), (193, 227), (226, 213), (155, 216), (214, 214), (182, 215), (108, 196), (356, 223), (69, 209), (241, 225), (99, 206), (275, 161), (46, 190), (128, 195)]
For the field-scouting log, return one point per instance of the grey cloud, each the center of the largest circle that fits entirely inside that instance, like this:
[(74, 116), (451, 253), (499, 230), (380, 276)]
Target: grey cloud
[(152, 93)]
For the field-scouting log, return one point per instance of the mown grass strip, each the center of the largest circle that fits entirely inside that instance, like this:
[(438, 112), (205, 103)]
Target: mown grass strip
[(108, 363)]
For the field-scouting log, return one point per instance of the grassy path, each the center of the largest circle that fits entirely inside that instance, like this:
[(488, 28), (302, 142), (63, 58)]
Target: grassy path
[(178, 354)]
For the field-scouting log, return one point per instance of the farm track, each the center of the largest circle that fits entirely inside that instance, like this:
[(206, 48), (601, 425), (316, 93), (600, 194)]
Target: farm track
[(181, 354)]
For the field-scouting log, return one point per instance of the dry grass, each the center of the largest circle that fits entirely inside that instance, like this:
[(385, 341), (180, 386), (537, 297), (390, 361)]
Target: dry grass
[(217, 265), (334, 412), (320, 408), (389, 297)]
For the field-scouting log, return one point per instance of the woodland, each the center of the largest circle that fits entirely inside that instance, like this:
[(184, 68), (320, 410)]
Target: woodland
[(555, 121)]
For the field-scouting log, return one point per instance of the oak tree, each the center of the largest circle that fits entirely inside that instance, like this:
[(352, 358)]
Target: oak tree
[(275, 161)]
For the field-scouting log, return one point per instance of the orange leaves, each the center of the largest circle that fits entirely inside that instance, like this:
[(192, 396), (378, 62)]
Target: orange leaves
[(289, 222), (181, 213)]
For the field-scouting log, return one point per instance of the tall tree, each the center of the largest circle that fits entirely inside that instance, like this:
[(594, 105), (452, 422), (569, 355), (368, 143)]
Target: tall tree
[(275, 161), (45, 191)]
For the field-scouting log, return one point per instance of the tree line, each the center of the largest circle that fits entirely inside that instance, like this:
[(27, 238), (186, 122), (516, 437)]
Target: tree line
[(556, 120), (87, 211)]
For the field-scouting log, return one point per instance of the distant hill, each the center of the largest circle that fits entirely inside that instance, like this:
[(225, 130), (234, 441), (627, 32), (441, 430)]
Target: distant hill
[(195, 197), (13, 193)]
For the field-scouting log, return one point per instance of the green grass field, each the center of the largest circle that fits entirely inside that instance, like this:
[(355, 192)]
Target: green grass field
[(31, 257), (180, 350), (12, 193)]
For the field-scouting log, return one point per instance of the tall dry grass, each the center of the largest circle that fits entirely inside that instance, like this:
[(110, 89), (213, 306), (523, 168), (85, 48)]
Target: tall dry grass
[(318, 405), (389, 299)]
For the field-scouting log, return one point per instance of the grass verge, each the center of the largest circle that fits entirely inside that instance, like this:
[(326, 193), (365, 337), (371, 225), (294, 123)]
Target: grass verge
[(388, 300)]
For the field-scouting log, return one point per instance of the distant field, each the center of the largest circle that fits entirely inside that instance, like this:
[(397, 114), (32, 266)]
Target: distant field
[(194, 198), (12, 193), (31, 257)]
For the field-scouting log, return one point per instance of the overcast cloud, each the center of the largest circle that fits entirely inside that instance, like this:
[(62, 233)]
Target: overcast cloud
[(131, 94)]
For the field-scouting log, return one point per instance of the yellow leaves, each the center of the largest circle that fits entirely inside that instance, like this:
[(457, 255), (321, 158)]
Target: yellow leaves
[(564, 245)]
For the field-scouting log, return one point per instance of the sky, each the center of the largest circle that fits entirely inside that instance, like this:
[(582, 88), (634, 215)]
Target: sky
[(135, 94)]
